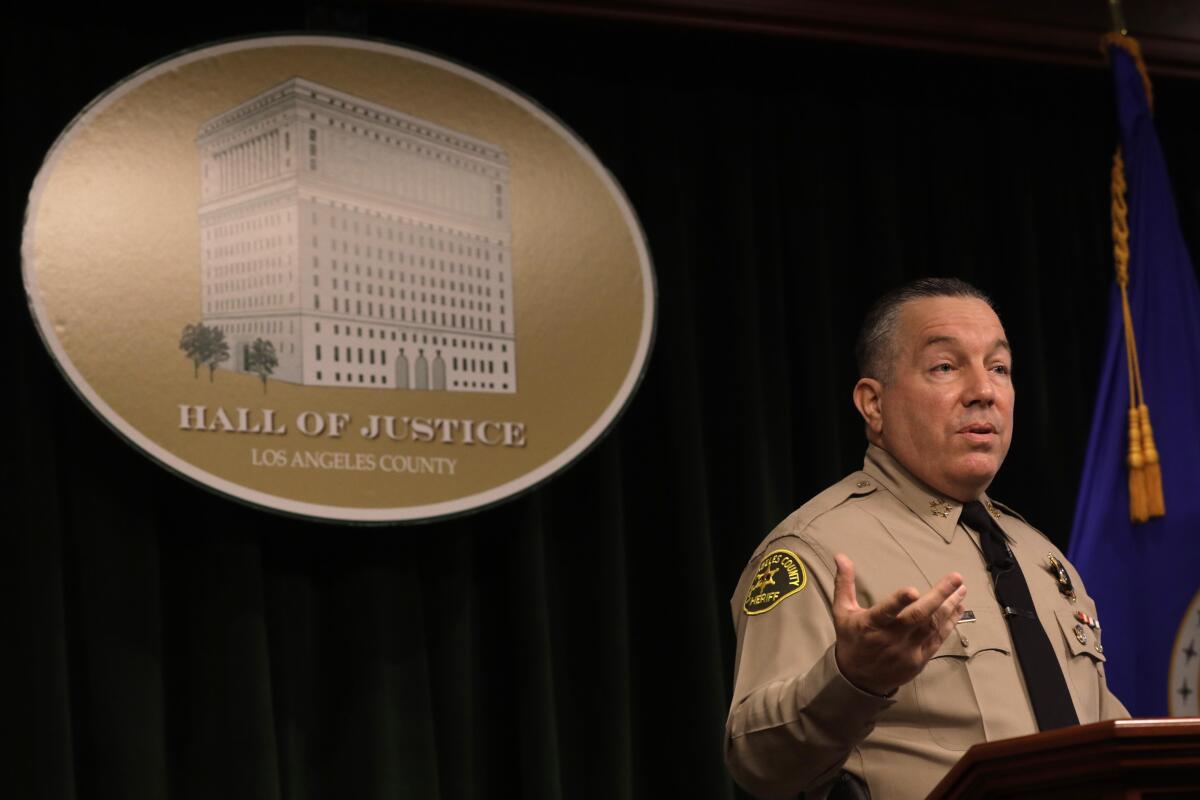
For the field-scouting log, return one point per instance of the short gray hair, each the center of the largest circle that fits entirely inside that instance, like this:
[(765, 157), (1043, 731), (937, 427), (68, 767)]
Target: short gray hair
[(875, 349)]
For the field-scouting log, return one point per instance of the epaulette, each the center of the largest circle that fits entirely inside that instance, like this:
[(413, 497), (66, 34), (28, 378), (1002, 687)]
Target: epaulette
[(1011, 513), (853, 486), (1008, 510)]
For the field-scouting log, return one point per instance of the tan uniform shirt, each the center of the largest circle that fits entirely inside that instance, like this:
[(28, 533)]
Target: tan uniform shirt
[(795, 721)]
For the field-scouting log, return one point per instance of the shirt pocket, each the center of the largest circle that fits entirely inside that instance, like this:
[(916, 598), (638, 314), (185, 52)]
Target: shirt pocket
[(945, 691), (1085, 664)]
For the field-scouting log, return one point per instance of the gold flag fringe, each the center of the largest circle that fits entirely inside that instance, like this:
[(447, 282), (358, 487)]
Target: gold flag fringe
[(1145, 475)]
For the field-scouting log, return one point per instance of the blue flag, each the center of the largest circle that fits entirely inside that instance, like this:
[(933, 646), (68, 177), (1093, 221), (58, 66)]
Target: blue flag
[(1146, 578)]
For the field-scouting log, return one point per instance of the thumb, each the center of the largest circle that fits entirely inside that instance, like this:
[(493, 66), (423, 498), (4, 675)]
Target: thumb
[(845, 598)]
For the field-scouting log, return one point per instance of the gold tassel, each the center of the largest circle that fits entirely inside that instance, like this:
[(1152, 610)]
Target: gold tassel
[(1138, 510), (1155, 505), (1145, 474)]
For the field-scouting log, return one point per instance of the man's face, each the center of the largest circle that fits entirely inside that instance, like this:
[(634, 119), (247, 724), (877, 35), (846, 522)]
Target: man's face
[(947, 412)]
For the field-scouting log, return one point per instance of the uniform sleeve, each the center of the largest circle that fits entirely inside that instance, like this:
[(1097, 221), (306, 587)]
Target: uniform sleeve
[(794, 719), (1110, 706)]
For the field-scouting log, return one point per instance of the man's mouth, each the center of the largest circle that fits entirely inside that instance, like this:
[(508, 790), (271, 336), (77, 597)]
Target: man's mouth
[(978, 432)]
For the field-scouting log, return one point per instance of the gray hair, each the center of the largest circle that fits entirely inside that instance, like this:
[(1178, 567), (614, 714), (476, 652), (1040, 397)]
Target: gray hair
[(875, 349)]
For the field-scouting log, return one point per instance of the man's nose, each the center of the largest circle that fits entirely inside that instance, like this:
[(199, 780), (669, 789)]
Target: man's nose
[(980, 388)]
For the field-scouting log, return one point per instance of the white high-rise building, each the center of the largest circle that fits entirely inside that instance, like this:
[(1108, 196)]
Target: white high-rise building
[(370, 247)]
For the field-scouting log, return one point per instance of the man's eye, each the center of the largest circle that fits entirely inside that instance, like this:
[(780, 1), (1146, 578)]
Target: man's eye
[(943, 367), (1002, 369)]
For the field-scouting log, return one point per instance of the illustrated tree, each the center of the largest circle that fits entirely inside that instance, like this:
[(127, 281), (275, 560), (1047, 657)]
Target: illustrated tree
[(204, 345), (217, 349), (261, 360), (191, 342)]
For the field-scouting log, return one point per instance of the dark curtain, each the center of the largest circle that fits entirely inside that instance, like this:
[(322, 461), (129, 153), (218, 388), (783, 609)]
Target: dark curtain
[(576, 642)]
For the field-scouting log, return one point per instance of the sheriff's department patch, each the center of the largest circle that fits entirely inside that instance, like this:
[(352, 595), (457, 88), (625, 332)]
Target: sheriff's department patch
[(780, 575)]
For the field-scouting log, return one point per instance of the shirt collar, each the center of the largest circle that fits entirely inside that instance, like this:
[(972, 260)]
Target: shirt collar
[(939, 512)]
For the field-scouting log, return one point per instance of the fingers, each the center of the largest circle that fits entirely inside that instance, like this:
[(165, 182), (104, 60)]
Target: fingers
[(845, 598), (922, 611), (943, 621), (884, 614), (947, 614)]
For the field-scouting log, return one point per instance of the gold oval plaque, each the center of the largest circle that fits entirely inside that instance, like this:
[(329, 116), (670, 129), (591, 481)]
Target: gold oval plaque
[(338, 278)]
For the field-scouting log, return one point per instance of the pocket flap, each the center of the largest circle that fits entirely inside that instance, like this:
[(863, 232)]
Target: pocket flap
[(1081, 640), (985, 631)]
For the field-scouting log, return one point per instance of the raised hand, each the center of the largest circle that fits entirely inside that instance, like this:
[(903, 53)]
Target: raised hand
[(887, 645)]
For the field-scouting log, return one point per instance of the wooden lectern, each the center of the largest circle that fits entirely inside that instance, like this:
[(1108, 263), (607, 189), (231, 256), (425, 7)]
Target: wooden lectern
[(1155, 759)]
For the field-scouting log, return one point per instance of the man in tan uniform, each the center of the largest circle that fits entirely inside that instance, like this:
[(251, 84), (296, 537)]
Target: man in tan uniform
[(870, 637)]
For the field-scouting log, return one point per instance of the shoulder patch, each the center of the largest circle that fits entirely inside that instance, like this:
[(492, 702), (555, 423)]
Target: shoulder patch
[(780, 575)]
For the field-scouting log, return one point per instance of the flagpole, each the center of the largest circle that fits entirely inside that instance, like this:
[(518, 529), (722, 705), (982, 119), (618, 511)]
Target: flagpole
[(1118, 17)]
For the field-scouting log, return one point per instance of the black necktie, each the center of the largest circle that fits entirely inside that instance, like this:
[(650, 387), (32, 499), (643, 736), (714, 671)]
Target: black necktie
[(1043, 678)]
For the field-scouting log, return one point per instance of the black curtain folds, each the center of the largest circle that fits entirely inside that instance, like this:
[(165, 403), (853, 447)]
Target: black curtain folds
[(576, 642)]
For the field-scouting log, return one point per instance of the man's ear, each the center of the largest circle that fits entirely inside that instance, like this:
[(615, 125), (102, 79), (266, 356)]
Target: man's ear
[(868, 399)]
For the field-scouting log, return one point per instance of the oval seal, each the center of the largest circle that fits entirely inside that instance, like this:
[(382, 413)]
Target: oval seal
[(338, 278)]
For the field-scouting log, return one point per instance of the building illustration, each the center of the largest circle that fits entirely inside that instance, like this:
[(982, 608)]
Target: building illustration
[(369, 247)]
